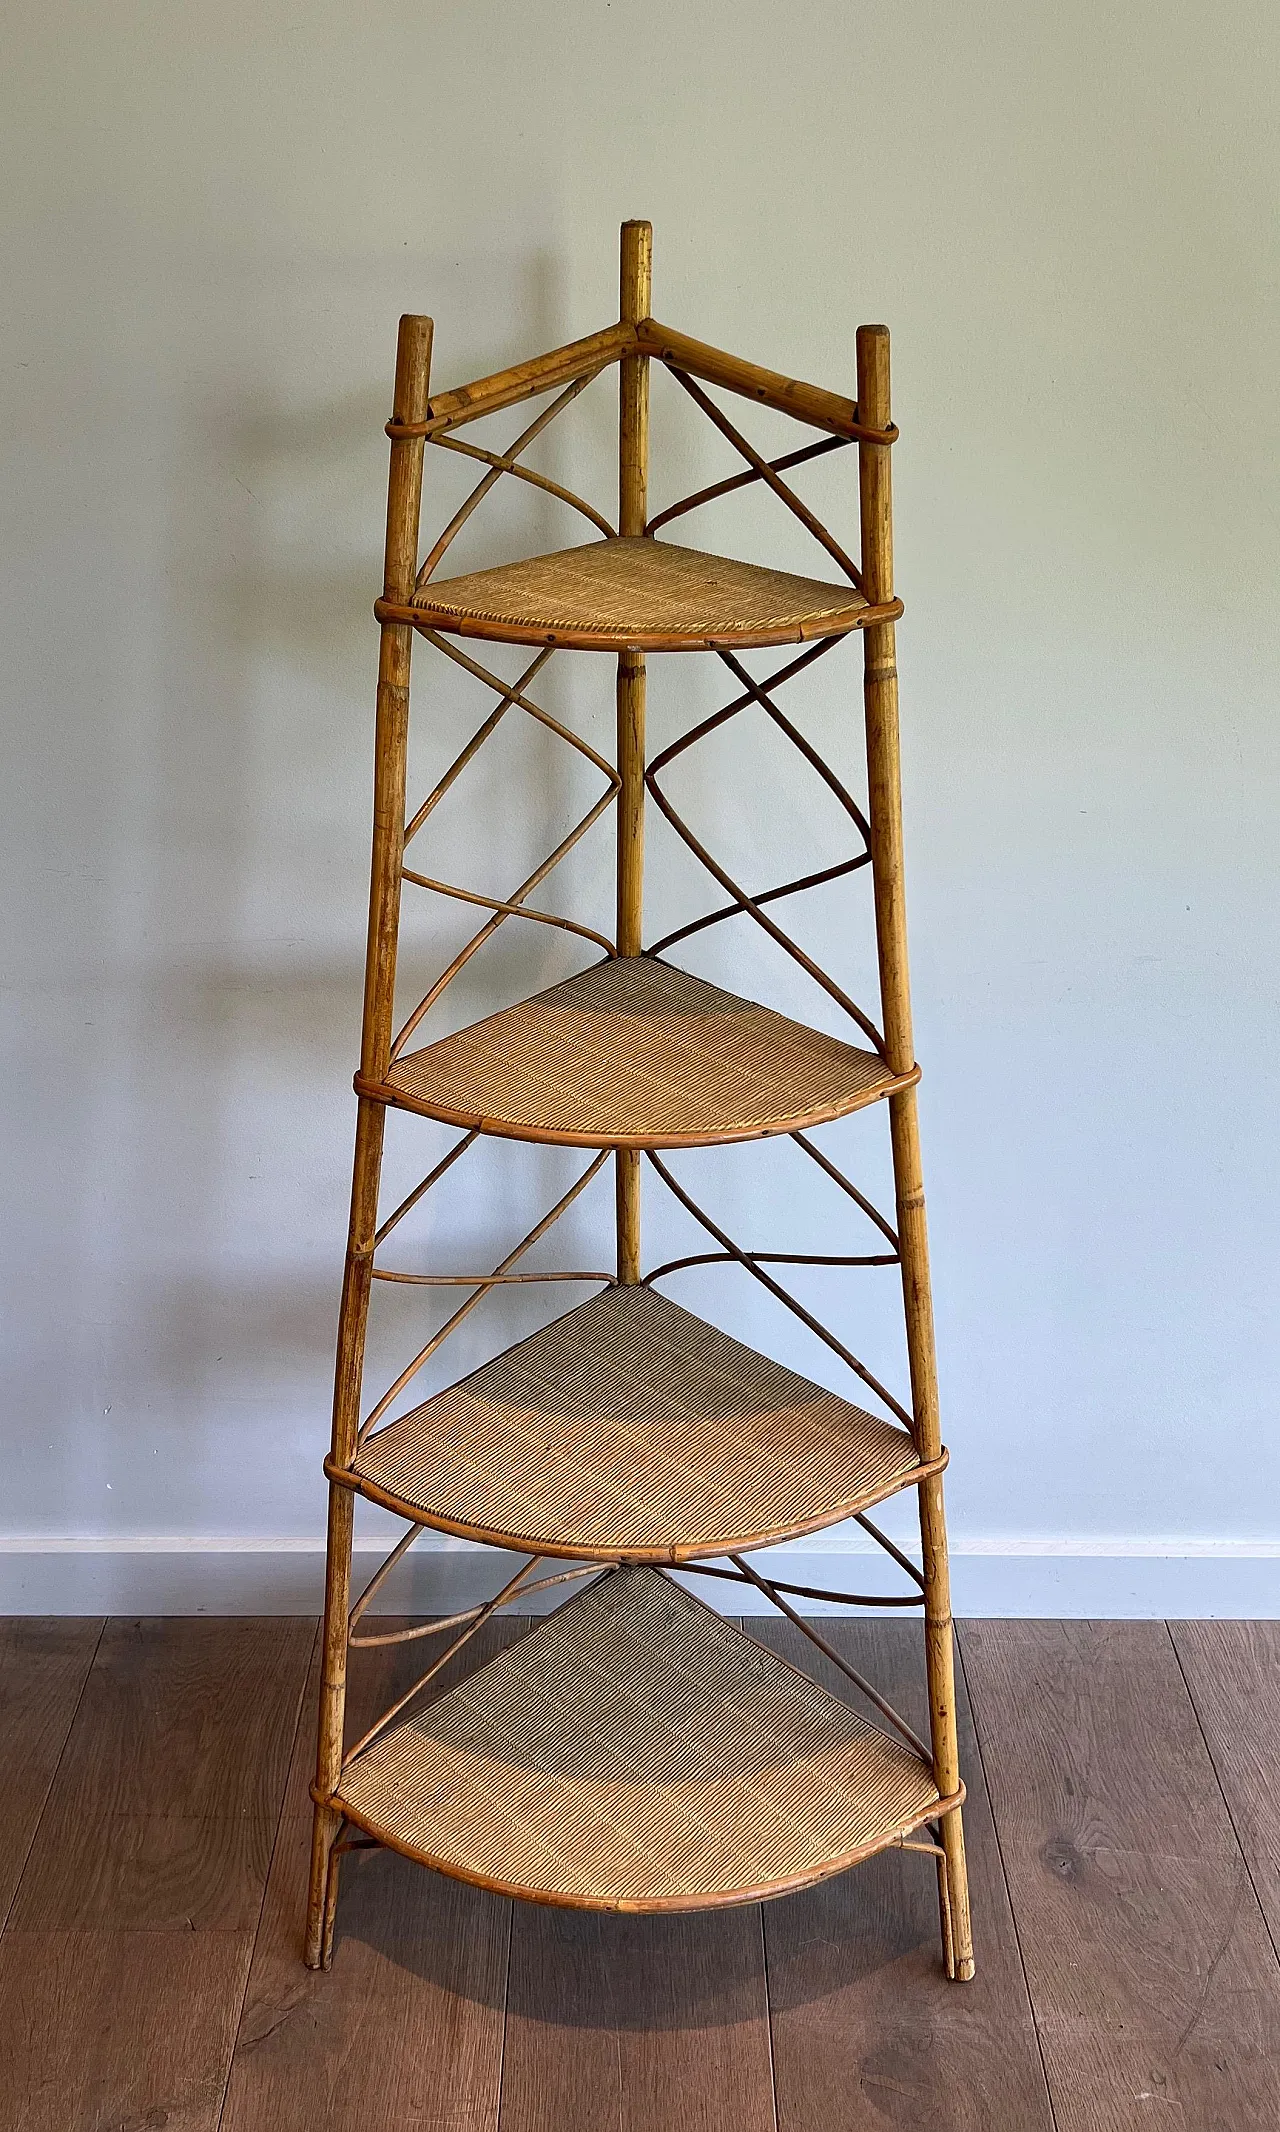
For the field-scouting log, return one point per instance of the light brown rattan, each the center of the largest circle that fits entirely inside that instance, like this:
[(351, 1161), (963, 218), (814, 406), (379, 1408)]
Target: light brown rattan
[(630, 1429), (643, 593), (634, 1053), (637, 1752)]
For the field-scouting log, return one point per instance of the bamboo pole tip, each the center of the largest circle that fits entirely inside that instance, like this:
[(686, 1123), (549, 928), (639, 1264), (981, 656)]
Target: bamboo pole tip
[(873, 333), (639, 224)]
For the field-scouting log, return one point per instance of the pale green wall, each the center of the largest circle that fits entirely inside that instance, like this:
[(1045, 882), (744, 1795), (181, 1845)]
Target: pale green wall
[(211, 217)]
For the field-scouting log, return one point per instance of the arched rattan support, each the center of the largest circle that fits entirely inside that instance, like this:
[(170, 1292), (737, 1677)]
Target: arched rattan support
[(769, 895), (838, 1177), (766, 472), (859, 1680), (439, 1624), (806, 1591), (775, 1288), (482, 1614), (483, 1280), (510, 910), (489, 1281), (509, 693), (759, 693), (771, 1258), (419, 1192), (742, 481), (505, 463), (507, 696), (904, 1561)]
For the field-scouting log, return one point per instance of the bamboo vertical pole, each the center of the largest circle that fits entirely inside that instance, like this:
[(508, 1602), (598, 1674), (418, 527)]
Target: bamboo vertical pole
[(404, 497), (880, 686), (635, 297)]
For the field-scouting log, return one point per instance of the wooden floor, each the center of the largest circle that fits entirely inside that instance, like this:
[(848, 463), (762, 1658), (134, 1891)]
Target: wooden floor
[(1126, 1881)]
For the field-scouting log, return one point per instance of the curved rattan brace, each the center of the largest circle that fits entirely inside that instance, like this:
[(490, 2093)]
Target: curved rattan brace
[(766, 472), (861, 1518), (458, 765), (512, 910), (769, 895), (514, 694), (457, 1621), (510, 693), (817, 650), (806, 1591), (482, 1615), (775, 1288), (771, 1258), (499, 917), (485, 1280), (859, 1680), (379, 1577), (838, 1177), (504, 463), (758, 692), (489, 1282), (526, 473), (742, 481), (419, 1191)]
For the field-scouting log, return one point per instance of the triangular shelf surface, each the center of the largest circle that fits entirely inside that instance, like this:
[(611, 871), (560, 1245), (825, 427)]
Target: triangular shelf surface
[(630, 1429), (635, 1053), (642, 593), (638, 1752)]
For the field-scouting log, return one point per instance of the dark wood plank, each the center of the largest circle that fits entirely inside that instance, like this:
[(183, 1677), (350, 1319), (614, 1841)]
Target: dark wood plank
[(167, 1797), (1233, 1671), (43, 1664), (638, 2024), (867, 2031), (117, 2031), (406, 2028), (1155, 1988)]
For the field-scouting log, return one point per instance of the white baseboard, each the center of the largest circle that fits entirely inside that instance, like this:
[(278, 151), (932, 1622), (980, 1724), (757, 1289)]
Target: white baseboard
[(1047, 1576)]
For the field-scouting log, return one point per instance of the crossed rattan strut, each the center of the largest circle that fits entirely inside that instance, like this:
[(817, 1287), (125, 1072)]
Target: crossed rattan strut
[(635, 1751)]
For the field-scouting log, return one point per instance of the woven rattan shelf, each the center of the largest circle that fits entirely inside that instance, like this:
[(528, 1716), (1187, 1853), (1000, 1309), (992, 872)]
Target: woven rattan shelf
[(632, 1431), (645, 594), (636, 1752), (635, 1053)]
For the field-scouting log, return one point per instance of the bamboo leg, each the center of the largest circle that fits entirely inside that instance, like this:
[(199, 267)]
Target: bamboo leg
[(404, 494), (635, 286), (885, 795)]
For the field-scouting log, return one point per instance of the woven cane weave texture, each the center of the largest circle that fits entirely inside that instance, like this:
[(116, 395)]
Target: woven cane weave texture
[(629, 590), (631, 1427), (635, 1053), (637, 1751)]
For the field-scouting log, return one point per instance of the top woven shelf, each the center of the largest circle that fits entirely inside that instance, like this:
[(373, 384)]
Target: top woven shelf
[(638, 594)]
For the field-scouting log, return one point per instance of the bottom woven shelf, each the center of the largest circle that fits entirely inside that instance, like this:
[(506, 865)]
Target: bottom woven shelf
[(637, 1752)]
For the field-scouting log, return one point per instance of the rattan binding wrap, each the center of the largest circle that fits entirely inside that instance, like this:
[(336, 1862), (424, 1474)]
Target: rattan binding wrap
[(640, 592), (634, 1053), (637, 1752), (631, 1429)]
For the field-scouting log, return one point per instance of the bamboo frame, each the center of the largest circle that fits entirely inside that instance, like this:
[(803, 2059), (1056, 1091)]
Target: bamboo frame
[(634, 344), (404, 500), (880, 694)]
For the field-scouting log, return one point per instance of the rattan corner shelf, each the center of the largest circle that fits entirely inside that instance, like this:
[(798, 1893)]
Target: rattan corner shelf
[(635, 1751)]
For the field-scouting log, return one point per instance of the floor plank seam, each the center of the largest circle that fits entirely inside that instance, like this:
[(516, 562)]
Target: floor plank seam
[(768, 2019), (506, 2012), (1222, 1790), (1004, 1872), (53, 1777), (287, 1760)]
